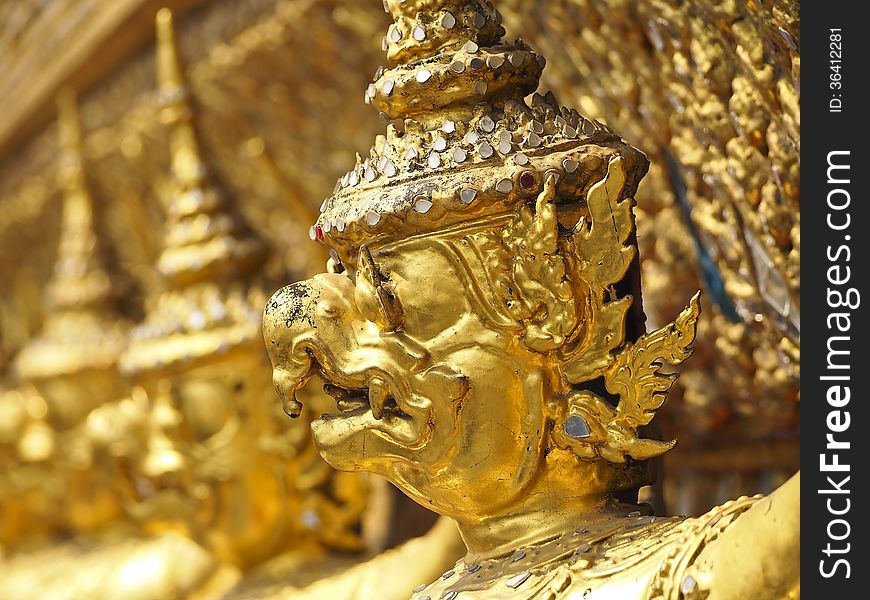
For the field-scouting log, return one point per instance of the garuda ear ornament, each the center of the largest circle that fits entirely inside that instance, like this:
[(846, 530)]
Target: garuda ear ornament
[(588, 334)]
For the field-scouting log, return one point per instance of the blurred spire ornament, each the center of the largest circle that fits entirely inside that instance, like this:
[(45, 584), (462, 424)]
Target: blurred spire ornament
[(80, 298), (211, 258), (218, 468)]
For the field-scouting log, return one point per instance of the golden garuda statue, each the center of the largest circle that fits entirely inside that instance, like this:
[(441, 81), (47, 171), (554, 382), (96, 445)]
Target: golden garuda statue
[(481, 329)]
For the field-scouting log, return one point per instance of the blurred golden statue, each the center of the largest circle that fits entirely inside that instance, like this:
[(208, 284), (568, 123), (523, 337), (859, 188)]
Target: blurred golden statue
[(482, 333), (63, 383), (188, 485)]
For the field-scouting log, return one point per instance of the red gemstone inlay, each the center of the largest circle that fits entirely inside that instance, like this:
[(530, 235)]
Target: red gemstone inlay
[(318, 233), (527, 180)]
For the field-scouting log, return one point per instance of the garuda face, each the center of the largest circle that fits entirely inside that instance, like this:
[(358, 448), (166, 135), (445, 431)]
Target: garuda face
[(478, 327), (458, 358), (427, 392)]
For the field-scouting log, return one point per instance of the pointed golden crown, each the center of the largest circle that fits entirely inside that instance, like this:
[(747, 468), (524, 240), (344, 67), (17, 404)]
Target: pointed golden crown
[(210, 257), (462, 144), (79, 298), (205, 237), (79, 277)]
